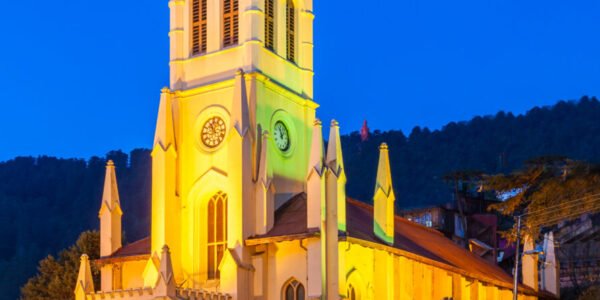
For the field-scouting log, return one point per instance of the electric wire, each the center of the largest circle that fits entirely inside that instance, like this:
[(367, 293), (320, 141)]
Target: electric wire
[(568, 202), (550, 213), (591, 202), (576, 212), (549, 221)]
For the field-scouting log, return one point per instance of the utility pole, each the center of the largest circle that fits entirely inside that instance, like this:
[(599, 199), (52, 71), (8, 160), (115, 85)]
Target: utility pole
[(516, 268), (461, 211)]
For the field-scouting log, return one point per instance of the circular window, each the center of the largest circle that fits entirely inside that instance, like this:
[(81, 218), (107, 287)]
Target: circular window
[(213, 132)]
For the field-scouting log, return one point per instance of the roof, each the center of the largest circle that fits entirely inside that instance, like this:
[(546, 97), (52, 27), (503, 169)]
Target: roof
[(140, 247), (289, 223), (410, 238), (420, 240), (137, 250), (290, 218)]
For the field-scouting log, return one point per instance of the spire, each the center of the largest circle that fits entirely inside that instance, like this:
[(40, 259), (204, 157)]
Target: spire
[(85, 283), (315, 162), (334, 160), (165, 131), (335, 214), (110, 195), (384, 173), (110, 213), (240, 111), (165, 287), (165, 201), (336, 178), (265, 191), (315, 213), (384, 198), (166, 267), (315, 183)]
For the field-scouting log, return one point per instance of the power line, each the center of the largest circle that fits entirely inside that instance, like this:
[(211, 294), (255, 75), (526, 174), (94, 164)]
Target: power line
[(562, 204), (555, 209), (593, 209), (578, 211)]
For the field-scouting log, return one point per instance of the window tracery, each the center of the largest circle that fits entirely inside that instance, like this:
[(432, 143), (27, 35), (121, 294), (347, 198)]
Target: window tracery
[(217, 233), (293, 290)]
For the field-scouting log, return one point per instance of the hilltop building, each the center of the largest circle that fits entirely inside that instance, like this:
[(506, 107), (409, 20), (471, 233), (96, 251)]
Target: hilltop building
[(246, 201)]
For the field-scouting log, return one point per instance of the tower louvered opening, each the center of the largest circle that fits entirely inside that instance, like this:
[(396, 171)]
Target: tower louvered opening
[(270, 24), (199, 30), (291, 31), (230, 22)]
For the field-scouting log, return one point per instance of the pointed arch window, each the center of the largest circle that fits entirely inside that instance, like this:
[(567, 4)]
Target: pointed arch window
[(351, 293), (293, 290), (217, 233), (199, 26), (290, 14), (270, 24), (230, 22)]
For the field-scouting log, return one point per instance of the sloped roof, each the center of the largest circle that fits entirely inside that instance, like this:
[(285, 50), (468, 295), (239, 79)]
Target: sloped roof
[(133, 251), (422, 241), (290, 218), (140, 247), (418, 240)]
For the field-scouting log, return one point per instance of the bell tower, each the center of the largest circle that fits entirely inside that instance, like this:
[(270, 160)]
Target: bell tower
[(233, 133), (211, 39)]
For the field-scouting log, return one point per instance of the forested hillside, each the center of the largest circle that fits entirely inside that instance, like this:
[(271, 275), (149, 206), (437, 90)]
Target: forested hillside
[(46, 202), (491, 144)]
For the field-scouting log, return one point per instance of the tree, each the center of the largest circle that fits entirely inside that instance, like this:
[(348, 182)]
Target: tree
[(546, 191), (56, 277), (461, 180), (591, 293)]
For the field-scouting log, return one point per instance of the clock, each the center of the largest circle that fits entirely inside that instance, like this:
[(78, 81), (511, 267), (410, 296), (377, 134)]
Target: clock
[(281, 136), (213, 132)]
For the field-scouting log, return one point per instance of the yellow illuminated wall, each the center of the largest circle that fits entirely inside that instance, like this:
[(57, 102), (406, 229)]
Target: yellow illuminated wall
[(251, 88), (186, 173)]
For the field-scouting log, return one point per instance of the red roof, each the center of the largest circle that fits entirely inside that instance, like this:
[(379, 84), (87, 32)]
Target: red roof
[(422, 241), (134, 251), (140, 247), (290, 219)]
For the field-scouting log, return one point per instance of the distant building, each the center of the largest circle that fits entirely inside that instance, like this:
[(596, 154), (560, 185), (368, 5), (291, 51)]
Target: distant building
[(465, 220), (468, 224), (246, 202), (578, 254)]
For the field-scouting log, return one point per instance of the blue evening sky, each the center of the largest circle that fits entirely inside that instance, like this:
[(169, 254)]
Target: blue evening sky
[(82, 77)]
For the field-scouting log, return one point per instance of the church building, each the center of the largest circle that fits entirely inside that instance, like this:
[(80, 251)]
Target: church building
[(247, 200)]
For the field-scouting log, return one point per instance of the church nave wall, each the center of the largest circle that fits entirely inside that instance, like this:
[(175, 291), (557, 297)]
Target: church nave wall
[(378, 274)]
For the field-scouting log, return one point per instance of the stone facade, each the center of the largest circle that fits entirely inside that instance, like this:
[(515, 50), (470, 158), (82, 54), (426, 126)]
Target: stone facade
[(246, 202)]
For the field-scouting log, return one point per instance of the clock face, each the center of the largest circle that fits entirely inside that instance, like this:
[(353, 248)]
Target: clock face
[(213, 132), (281, 136)]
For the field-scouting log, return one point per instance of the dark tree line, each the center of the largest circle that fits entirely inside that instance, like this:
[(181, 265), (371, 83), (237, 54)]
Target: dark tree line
[(56, 277), (46, 202), (489, 144)]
